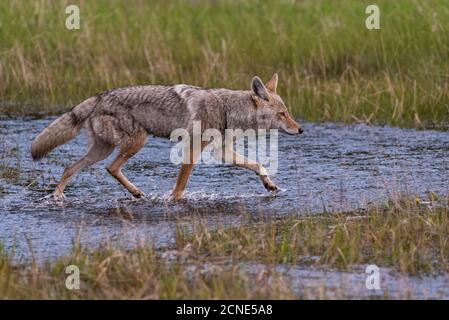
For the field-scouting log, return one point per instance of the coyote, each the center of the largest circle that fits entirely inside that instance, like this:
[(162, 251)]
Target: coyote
[(124, 117)]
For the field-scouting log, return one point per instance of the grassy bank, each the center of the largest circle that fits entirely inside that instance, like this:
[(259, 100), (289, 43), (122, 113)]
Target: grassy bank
[(331, 67), (209, 262), (138, 274), (403, 235)]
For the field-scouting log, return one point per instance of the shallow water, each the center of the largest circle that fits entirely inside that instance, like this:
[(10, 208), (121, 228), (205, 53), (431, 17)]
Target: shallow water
[(329, 167), (324, 283)]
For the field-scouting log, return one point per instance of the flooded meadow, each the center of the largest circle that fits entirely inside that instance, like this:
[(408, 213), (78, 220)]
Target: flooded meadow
[(331, 167)]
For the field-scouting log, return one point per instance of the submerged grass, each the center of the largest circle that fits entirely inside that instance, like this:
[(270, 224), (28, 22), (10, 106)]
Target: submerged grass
[(331, 67), (211, 262)]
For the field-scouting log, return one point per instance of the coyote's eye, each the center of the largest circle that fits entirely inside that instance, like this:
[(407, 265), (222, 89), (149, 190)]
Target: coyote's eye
[(283, 114)]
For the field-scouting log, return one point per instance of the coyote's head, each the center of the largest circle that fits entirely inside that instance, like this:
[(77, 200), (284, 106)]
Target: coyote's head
[(271, 110)]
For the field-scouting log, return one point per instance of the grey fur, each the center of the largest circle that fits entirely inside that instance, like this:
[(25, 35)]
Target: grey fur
[(116, 117), (119, 113)]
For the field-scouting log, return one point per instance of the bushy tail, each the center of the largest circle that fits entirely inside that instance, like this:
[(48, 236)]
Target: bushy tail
[(62, 130)]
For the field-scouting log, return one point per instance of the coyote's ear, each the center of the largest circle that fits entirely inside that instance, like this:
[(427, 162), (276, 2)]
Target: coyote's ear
[(273, 83), (258, 88)]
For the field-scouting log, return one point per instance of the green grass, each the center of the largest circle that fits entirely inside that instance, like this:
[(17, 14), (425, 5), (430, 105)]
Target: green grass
[(331, 67), (211, 262)]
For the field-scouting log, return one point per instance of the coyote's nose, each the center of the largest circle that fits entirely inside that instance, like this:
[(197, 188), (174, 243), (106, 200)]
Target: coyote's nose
[(300, 130)]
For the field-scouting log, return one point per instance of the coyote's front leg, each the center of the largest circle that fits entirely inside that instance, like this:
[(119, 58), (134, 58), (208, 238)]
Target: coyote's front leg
[(190, 157), (231, 157)]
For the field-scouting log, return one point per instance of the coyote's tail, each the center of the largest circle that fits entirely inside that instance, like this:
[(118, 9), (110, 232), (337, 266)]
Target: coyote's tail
[(62, 130)]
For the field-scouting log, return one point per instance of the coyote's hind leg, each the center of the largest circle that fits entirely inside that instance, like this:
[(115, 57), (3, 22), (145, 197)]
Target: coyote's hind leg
[(100, 150), (127, 149)]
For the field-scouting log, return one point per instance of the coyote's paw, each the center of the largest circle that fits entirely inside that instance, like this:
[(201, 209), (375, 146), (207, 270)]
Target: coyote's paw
[(177, 196), (58, 195), (273, 188), (268, 184), (138, 194)]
